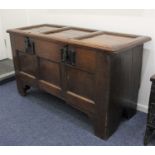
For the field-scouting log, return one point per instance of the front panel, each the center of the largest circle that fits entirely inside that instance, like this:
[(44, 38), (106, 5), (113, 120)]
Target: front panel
[(49, 68), (27, 63), (80, 78), (49, 71), (80, 82), (48, 50), (40, 61)]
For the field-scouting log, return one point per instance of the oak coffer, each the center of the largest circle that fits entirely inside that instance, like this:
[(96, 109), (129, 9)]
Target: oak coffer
[(97, 72)]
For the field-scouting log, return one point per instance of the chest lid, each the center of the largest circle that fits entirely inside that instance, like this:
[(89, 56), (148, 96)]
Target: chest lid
[(103, 40)]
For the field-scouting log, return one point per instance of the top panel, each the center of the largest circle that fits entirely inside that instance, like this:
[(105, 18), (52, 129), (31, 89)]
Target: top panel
[(103, 40), (70, 33), (40, 29), (108, 40)]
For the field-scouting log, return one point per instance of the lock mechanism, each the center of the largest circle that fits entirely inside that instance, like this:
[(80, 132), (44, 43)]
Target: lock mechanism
[(64, 53), (68, 55), (29, 45), (72, 54)]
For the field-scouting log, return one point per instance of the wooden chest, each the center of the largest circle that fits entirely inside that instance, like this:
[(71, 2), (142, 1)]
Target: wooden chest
[(97, 72)]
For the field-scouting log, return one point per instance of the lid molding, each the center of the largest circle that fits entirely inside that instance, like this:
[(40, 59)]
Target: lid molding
[(102, 40)]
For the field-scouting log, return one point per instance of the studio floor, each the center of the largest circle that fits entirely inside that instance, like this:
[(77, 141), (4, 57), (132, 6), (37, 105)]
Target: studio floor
[(42, 119)]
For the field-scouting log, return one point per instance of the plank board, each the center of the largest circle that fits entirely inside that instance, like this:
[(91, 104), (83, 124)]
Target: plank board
[(71, 33), (41, 29), (108, 40)]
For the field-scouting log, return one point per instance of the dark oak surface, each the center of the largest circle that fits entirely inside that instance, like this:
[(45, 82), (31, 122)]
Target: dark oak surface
[(97, 72)]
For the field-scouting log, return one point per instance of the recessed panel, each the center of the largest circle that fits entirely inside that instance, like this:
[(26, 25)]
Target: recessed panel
[(71, 33), (85, 59), (48, 50), (19, 43), (108, 40), (80, 83), (49, 71), (41, 29), (27, 63)]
